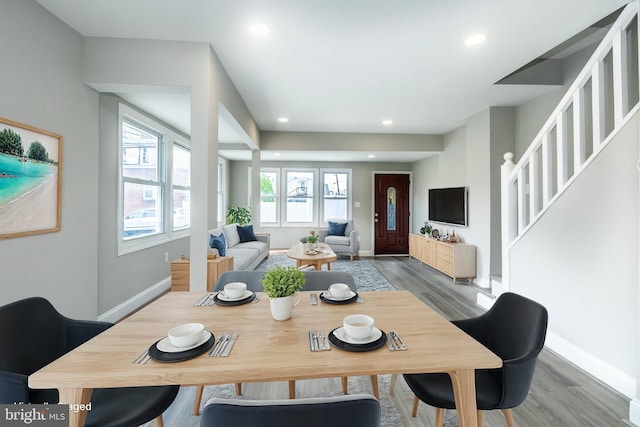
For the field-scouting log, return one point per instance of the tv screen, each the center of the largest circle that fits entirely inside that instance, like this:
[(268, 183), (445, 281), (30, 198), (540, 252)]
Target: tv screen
[(448, 205)]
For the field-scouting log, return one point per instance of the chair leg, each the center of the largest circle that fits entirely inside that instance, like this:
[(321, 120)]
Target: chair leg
[(479, 415), (292, 389), (414, 410), (239, 389), (374, 386), (351, 256), (198, 399), (508, 416), (439, 417), (392, 384), (344, 385), (158, 422)]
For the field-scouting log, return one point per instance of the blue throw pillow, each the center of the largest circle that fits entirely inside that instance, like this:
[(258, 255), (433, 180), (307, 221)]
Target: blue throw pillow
[(219, 243), (246, 233), (337, 228)]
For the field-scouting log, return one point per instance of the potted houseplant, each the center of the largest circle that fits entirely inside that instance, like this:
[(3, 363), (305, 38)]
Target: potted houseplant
[(280, 284), (240, 215), (312, 240)]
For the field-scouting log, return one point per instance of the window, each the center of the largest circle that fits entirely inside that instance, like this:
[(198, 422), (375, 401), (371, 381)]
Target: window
[(154, 196), (300, 201), (336, 186), (269, 212), (181, 187), (221, 187), (302, 204)]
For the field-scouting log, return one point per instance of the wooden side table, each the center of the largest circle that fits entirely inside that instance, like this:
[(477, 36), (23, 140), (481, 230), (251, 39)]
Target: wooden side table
[(215, 267)]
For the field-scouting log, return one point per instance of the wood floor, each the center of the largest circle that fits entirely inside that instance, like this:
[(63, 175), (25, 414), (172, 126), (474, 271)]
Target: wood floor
[(561, 394)]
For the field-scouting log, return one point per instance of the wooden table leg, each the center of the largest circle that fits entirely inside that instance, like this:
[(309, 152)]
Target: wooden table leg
[(329, 266), (76, 396), (464, 391)]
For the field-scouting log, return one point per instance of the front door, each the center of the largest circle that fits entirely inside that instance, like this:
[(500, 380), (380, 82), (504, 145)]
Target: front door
[(391, 214)]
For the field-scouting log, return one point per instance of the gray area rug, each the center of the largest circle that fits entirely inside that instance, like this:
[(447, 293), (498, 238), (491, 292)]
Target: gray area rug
[(365, 274)]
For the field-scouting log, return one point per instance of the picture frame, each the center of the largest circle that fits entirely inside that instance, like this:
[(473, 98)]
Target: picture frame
[(30, 180)]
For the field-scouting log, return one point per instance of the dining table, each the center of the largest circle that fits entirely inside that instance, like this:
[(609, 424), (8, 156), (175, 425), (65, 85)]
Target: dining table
[(269, 350)]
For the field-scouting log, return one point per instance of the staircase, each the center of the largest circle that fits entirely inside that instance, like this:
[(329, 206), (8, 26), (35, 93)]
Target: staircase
[(598, 104)]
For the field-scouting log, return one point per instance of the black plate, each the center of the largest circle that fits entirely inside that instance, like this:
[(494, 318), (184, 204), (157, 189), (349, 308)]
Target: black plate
[(237, 302), (345, 301), (163, 356), (357, 347)]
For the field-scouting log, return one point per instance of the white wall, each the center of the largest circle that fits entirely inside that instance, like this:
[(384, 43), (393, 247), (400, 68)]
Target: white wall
[(581, 262), (41, 84)]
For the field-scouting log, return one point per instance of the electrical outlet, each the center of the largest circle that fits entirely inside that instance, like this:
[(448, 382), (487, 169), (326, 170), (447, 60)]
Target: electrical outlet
[(166, 257)]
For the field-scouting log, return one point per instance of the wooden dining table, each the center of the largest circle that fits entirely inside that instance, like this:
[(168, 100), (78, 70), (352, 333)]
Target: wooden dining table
[(270, 350)]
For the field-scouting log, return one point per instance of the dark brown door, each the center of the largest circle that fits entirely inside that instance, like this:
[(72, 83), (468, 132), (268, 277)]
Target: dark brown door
[(391, 214)]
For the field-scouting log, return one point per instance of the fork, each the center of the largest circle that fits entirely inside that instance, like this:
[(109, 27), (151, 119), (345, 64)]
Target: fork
[(323, 338), (215, 348), (255, 300)]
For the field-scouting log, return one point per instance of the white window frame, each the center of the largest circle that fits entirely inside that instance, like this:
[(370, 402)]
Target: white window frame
[(278, 188), (182, 231), (165, 158), (283, 198), (323, 221)]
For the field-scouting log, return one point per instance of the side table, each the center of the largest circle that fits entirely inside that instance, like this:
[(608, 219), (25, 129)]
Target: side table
[(215, 267)]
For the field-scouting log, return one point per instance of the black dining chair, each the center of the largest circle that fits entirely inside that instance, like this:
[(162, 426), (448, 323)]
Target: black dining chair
[(33, 334), (357, 410), (514, 329)]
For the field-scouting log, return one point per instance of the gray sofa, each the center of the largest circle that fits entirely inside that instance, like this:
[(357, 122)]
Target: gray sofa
[(246, 255)]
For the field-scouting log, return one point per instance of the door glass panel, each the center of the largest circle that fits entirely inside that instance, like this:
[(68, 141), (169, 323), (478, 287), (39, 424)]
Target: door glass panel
[(391, 209)]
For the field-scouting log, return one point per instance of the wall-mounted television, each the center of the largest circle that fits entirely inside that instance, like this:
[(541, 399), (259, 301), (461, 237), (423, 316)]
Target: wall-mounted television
[(448, 205)]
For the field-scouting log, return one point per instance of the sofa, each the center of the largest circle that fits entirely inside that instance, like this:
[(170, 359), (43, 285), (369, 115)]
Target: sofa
[(341, 237), (247, 248)]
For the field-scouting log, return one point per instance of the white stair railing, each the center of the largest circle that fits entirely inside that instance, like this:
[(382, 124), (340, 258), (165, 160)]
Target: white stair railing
[(596, 106)]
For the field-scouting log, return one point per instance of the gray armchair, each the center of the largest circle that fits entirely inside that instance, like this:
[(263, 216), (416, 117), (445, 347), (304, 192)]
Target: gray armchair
[(341, 244)]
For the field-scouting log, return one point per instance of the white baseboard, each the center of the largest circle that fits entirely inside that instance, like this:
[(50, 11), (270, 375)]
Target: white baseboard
[(484, 301), (634, 412), (483, 283), (610, 375), (135, 302)]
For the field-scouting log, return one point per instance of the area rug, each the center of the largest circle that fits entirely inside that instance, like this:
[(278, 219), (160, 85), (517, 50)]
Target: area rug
[(365, 274)]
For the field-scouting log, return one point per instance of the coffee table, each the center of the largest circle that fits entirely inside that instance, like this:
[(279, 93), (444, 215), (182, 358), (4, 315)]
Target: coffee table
[(434, 345), (303, 259)]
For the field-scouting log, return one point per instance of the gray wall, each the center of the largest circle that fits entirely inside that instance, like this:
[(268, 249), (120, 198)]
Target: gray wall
[(362, 183), (41, 84), (122, 277)]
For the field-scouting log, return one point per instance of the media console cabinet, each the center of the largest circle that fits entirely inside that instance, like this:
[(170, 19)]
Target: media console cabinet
[(457, 260), (215, 267)]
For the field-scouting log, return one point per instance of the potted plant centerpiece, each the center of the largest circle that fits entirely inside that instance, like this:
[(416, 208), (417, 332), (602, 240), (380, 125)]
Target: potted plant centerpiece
[(312, 240), (280, 284)]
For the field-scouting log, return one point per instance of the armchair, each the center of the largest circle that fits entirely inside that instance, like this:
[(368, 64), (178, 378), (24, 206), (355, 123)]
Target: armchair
[(33, 334), (340, 243)]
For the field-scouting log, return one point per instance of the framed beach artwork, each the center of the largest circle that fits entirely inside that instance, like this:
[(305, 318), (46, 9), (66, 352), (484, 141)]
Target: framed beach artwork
[(30, 180)]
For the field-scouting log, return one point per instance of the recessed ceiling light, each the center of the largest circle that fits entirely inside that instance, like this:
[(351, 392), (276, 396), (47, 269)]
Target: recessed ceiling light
[(283, 119), (371, 156), (259, 29), (476, 39), (387, 122), (276, 154)]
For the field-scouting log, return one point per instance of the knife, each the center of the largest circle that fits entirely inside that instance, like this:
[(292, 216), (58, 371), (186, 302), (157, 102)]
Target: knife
[(310, 341), (313, 298)]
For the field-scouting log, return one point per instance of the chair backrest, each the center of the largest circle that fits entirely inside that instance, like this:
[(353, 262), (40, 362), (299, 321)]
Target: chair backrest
[(357, 410), (514, 329), (32, 334), (314, 280)]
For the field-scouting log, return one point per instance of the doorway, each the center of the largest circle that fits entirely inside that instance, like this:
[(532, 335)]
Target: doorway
[(391, 213)]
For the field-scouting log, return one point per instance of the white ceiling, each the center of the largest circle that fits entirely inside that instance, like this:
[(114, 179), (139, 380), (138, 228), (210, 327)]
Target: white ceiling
[(345, 65)]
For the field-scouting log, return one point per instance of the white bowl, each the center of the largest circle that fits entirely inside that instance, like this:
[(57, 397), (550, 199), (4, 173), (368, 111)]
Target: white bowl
[(185, 335), (235, 290), (358, 326), (339, 290)]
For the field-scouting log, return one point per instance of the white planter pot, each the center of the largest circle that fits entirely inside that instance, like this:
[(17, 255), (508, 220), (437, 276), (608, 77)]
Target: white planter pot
[(282, 308)]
